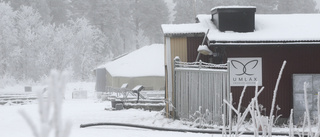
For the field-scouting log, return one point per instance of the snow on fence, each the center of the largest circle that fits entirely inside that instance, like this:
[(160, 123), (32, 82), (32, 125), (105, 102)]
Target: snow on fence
[(201, 88)]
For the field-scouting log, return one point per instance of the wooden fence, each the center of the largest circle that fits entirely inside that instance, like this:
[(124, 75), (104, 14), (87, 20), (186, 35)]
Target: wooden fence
[(200, 88)]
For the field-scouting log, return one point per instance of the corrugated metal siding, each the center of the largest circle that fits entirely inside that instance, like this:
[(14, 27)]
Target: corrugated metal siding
[(193, 44), (300, 59)]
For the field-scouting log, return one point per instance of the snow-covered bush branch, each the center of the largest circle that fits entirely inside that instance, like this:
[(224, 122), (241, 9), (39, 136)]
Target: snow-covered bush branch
[(259, 122), (50, 109)]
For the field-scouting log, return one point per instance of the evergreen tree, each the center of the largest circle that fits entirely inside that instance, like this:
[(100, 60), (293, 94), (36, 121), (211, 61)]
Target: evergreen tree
[(263, 6), (185, 11), (148, 15), (125, 25), (297, 6), (205, 6), (43, 9), (156, 13), (79, 8), (59, 10)]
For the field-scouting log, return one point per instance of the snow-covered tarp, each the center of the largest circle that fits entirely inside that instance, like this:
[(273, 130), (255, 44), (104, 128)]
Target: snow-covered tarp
[(146, 61)]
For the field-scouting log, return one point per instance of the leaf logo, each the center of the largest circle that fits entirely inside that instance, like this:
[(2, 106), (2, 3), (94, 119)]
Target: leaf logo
[(246, 68)]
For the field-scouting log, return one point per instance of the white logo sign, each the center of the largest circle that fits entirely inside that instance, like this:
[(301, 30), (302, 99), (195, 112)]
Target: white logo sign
[(245, 71)]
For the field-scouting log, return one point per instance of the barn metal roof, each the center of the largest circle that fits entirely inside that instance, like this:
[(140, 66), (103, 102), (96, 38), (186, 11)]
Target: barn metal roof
[(269, 29)]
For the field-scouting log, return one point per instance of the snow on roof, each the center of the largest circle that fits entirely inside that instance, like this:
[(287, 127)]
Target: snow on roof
[(268, 27), (235, 6), (146, 61), (183, 28)]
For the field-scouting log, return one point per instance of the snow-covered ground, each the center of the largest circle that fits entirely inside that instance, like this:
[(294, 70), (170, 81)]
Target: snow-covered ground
[(91, 110)]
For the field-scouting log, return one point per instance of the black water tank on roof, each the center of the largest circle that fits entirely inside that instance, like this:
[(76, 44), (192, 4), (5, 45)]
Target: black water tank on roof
[(234, 18)]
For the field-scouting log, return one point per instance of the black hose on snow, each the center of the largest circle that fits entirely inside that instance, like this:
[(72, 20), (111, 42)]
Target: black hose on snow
[(172, 129)]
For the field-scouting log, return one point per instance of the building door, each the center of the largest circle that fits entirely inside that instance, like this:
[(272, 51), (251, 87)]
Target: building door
[(312, 88), (101, 79)]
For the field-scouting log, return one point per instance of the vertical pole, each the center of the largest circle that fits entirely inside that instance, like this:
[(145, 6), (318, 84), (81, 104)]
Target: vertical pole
[(228, 90), (176, 60), (138, 93), (204, 38)]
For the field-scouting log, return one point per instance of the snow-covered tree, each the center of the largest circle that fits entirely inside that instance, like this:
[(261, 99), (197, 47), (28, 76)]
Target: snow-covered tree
[(59, 10), (157, 13), (263, 6), (8, 48), (297, 6), (87, 48), (47, 54), (30, 48), (185, 11), (36, 36), (39, 5), (125, 26), (111, 17), (28, 21), (148, 15)]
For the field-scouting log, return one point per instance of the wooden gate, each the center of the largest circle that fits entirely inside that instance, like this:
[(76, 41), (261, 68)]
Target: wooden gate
[(200, 88)]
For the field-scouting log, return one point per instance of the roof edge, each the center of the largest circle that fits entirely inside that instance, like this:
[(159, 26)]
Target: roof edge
[(184, 34), (283, 42)]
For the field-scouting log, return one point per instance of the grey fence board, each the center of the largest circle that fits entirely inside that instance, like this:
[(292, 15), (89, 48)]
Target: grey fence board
[(200, 85)]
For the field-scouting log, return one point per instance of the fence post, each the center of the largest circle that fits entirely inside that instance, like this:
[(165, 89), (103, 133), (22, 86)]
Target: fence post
[(227, 95), (175, 62)]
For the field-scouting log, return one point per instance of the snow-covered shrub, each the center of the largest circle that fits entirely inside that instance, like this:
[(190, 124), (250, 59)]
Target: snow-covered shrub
[(7, 80), (26, 82), (260, 123), (265, 124), (199, 118), (50, 121)]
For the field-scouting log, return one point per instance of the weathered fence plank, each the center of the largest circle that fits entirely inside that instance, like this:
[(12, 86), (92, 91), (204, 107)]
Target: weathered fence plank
[(202, 85)]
